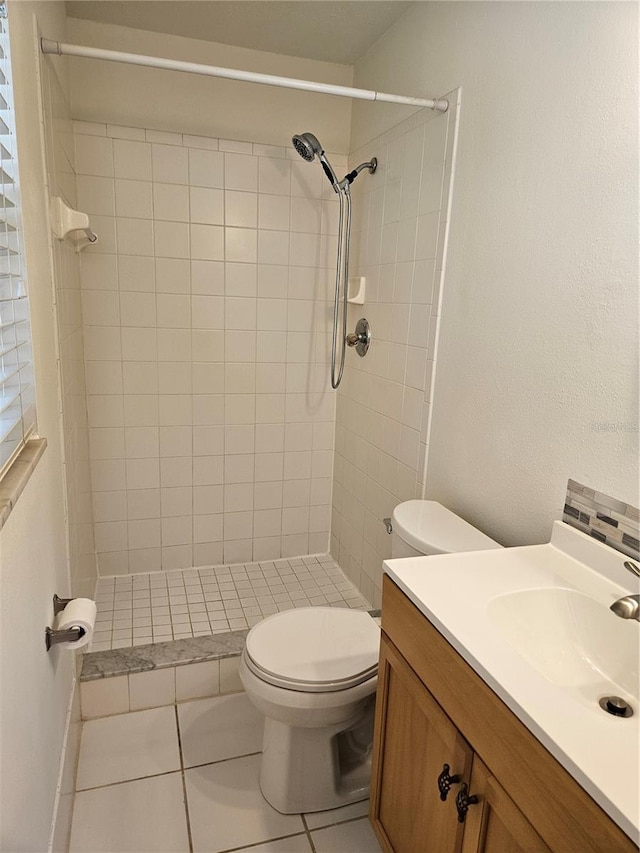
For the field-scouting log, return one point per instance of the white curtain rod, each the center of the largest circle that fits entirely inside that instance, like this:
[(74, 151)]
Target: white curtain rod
[(49, 46)]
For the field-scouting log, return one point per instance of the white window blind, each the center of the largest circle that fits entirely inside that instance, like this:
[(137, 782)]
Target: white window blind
[(17, 393)]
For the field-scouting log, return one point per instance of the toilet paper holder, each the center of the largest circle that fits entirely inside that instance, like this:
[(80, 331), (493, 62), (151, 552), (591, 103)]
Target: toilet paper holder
[(53, 636)]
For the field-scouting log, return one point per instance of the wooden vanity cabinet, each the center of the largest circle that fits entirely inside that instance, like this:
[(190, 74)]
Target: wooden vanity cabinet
[(419, 739), (495, 824), (433, 710)]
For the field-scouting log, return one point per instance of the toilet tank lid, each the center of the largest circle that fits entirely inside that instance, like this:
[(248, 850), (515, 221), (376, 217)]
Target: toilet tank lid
[(431, 528)]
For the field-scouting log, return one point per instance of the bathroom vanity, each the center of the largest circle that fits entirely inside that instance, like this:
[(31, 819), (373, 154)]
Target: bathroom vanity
[(454, 768)]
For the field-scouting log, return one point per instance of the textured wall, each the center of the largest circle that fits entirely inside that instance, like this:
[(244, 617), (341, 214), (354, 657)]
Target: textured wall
[(33, 547), (61, 181), (538, 352), (117, 93)]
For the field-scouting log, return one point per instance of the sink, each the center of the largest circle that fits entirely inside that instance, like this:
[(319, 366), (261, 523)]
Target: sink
[(573, 641), (534, 623)]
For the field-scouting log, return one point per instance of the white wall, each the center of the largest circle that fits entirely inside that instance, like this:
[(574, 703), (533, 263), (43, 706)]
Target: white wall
[(33, 557), (539, 328), (61, 181), (169, 100)]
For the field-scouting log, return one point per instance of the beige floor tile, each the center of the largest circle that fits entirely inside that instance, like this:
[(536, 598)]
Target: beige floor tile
[(227, 810), (354, 837), (292, 844), (146, 816), (316, 820), (128, 746), (219, 728)]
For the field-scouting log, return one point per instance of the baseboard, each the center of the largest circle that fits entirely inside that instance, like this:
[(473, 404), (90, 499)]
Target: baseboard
[(63, 805)]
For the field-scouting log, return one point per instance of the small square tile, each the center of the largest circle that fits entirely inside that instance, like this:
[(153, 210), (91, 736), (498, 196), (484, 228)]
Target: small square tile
[(128, 746)]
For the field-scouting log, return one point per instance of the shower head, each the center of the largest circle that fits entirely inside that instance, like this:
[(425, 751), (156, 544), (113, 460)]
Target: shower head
[(308, 146)]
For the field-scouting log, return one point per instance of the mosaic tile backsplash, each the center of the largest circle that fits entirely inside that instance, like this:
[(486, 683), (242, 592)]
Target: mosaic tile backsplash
[(606, 519)]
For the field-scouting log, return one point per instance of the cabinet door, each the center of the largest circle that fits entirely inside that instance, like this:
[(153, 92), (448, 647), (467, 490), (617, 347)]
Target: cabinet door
[(495, 824), (413, 740)]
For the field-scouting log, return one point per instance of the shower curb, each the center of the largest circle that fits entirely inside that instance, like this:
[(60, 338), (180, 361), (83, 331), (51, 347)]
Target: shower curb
[(127, 661)]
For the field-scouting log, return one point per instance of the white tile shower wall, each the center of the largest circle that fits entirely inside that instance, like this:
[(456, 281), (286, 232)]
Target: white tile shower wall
[(206, 325), (383, 408), (60, 162)]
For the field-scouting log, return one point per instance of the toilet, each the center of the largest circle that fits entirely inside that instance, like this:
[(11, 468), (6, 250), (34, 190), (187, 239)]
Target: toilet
[(312, 672)]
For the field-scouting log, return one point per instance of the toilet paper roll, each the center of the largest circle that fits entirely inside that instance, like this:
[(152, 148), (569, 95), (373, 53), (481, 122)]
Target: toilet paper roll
[(80, 612)]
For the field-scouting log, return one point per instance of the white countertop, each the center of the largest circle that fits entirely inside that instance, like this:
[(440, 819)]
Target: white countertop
[(456, 592)]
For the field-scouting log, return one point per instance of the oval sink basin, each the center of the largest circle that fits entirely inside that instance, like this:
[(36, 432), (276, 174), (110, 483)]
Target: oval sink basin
[(570, 639)]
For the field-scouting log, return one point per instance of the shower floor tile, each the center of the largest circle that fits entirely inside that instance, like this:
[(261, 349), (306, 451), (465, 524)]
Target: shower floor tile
[(138, 609)]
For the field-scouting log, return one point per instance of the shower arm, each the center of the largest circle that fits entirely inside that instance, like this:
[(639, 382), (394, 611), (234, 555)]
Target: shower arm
[(371, 165)]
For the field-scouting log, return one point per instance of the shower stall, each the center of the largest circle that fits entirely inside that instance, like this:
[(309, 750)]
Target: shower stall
[(205, 337)]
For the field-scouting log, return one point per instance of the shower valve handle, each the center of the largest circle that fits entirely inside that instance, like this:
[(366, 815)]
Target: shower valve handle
[(361, 338)]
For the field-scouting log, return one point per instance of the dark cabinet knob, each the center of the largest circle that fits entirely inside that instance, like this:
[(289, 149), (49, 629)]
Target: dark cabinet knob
[(445, 782), (463, 800)]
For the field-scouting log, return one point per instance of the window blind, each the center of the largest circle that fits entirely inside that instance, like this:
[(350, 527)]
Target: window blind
[(17, 393)]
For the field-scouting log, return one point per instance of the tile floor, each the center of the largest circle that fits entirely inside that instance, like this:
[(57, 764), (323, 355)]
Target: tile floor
[(184, 779), (145, 608)]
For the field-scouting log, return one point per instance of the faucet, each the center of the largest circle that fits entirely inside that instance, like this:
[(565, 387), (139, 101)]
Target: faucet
[(627, 607)]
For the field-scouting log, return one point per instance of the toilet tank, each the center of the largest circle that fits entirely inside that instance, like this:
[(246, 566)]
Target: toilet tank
[(427, 527)]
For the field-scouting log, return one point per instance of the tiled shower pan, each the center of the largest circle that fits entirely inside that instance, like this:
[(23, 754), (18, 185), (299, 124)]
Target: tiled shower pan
[(168, 619)]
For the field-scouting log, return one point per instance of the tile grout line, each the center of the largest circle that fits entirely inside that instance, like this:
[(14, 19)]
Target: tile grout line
[(126, 781), (184, 781), (164, 772), (308, 833), (221, 760), (266, 841)]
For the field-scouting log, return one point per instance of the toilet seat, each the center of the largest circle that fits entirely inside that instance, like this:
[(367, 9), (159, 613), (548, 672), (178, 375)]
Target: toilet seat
[(314, 649)]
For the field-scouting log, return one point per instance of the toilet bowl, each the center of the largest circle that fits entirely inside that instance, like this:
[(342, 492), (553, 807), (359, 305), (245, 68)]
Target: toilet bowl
[(312, 672)]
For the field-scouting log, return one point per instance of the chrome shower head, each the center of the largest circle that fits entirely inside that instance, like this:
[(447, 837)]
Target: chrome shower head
[(308, 146)]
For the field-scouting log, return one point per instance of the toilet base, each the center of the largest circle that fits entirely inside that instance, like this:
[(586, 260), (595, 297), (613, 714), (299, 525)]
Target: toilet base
[(310, 770)]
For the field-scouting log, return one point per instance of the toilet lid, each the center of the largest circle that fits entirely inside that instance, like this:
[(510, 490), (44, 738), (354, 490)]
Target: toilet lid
[(314, 649)]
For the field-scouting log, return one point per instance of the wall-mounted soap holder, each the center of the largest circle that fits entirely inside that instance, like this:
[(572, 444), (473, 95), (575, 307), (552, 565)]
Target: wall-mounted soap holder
[(65, 221), (356, 289)]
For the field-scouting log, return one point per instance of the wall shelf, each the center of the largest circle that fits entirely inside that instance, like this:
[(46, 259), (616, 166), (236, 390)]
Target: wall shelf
[(66, 221)]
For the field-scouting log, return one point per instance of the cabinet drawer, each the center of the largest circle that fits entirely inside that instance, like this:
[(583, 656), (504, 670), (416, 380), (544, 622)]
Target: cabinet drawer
[(563, 814)]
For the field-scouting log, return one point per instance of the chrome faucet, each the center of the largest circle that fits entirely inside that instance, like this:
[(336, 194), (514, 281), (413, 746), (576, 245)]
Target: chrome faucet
[(627, 607)]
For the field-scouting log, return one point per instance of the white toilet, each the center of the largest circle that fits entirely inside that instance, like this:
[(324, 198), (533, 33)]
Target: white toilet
[(312, 672)]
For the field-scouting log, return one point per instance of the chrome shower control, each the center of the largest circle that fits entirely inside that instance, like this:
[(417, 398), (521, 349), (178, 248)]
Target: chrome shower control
[(361, 338)]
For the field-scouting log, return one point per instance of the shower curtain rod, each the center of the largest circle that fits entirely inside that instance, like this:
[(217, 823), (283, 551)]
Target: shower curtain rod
[(62, 49)]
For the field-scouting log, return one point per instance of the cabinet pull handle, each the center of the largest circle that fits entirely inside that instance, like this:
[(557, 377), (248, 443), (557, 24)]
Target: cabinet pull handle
[(463, 800), (445, 782)]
